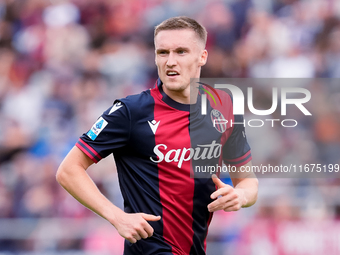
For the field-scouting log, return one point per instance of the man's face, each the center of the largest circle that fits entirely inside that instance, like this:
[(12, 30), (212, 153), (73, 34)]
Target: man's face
[(179, 57)]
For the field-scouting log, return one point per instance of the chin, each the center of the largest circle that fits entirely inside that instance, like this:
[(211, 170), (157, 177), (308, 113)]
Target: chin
[(175, 85)]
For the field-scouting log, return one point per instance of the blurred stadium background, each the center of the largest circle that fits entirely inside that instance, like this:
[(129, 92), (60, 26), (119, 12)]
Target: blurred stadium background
[(62, 63)]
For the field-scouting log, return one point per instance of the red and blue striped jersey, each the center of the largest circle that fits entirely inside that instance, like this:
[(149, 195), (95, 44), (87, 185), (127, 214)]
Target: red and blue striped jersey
[(158, 144)]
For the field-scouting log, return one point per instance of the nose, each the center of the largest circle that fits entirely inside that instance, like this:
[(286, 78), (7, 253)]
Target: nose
[(171, 60)]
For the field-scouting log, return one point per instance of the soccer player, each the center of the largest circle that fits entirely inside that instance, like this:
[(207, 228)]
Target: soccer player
[(157, 142)]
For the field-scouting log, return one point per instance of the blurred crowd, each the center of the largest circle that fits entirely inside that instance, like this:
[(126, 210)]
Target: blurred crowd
[(63, 62)]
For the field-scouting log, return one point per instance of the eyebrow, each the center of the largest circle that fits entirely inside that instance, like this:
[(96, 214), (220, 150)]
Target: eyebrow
[(161, 50), (182, 48), (177, 49)]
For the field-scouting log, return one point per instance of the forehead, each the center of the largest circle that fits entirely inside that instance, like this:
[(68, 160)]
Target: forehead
[(169, 39)]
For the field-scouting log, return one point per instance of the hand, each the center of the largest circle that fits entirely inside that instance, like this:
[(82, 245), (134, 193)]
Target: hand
[(227, 198), (134, 226)]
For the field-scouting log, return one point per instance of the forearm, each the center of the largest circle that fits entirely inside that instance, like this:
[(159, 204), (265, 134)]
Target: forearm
[(249, 188), (247, 185), (73, 178), (78, 183)]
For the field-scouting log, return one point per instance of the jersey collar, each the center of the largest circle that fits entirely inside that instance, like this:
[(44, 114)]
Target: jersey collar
[(169, 101)]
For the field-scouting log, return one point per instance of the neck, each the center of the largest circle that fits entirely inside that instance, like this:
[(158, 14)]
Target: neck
[(187, 96)]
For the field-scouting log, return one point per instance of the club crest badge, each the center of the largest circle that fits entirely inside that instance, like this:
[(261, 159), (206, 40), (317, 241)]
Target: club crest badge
[(218, 120)]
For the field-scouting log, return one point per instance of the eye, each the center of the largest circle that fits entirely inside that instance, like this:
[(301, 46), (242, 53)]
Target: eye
[(162, 52), (181, 51)]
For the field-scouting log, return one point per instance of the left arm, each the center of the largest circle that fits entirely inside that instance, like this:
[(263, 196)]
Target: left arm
[(243, 194)]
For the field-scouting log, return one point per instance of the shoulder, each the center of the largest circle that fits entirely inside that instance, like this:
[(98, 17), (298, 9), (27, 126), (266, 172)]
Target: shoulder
[(135, 101), (135, 104)]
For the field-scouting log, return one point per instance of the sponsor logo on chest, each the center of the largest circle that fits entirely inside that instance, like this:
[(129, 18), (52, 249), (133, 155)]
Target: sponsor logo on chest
[(201, 152)]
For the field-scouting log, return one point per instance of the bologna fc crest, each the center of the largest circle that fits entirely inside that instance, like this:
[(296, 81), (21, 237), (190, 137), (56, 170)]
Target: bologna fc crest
[(218, 120)]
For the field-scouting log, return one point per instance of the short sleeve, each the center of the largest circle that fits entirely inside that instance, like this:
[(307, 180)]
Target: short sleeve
[(110, 132), (236, 151)]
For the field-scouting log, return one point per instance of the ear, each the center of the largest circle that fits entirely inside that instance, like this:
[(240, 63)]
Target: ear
[(203, 58), (156, 59)]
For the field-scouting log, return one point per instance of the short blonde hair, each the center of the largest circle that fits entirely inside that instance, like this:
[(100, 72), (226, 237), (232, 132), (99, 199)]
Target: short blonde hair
[(183, 22)]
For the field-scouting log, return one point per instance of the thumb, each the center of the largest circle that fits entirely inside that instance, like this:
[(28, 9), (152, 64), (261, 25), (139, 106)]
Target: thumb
[(150, 217), (217, 181)]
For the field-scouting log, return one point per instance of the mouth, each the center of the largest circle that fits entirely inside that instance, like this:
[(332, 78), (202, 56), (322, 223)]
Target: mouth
[(172, 73)]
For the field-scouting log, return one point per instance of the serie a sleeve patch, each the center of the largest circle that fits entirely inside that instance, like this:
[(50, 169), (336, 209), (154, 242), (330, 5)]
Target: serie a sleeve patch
[(97, 127)]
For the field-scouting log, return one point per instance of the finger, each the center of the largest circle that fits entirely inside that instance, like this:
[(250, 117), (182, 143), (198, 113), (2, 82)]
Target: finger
[(220, 203), (131, 240), (150, 217), (137, 237), (214, 208), (143, 234), (217, 181), (227, 189), (231, 207), (148, 229)]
